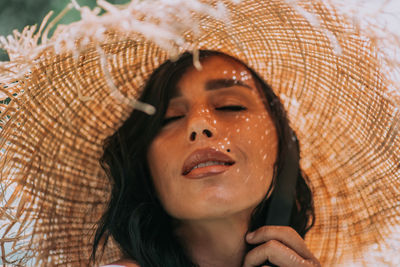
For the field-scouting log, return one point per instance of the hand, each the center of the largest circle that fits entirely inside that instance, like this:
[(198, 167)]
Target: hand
[(280, 245)]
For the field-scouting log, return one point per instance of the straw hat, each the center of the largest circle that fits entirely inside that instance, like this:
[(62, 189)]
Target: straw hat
[(63, 97)]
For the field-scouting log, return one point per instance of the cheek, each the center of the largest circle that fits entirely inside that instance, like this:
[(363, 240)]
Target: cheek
[(154, 154), (165, 162), (156, 157), (256, 136), (160, 150)]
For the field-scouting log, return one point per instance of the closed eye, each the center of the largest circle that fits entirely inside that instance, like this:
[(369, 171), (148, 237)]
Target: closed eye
[(171, 119), (232, 108), (223, 108)]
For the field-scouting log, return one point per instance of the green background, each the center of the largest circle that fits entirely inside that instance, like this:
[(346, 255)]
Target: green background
[(16, 14)]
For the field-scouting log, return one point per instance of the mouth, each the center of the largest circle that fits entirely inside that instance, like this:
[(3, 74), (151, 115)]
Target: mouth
[(208, 166), (205, 162)]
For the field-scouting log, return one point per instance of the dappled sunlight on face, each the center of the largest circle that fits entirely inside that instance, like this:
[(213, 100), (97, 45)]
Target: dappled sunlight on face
[(222, 99)]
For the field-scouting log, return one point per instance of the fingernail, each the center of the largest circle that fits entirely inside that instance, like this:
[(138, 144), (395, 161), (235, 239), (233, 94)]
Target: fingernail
[(250, 235)]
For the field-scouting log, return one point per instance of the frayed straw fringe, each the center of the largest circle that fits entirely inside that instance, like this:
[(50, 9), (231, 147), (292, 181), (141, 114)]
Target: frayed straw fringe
[(159, 23)]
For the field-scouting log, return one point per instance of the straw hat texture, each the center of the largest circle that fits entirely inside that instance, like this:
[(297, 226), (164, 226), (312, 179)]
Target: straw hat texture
[(62, 96)]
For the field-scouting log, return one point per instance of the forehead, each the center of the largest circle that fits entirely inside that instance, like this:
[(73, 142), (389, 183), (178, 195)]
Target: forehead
[(217, 72), (218, 66)]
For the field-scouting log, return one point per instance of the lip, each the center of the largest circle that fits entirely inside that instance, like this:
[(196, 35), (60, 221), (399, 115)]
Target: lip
[(204, 155)]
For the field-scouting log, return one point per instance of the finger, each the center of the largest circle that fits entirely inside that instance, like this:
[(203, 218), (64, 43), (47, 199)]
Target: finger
[(285, 235), (278, 254)]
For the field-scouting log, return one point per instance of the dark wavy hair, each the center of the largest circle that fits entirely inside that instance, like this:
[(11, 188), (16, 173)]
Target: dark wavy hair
[(135, 218)]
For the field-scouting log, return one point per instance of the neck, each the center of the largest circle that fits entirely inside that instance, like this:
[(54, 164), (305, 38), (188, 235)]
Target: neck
[(215, 242)]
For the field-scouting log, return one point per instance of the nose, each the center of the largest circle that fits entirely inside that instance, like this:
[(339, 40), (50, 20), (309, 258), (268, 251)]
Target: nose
[(200, 128), (205, 132)]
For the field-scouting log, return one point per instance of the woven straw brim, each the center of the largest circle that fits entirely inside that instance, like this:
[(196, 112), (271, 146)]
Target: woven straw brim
[(54, 190)]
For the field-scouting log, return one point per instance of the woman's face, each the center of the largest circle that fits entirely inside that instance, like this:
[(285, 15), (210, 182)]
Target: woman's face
[(219, 120)]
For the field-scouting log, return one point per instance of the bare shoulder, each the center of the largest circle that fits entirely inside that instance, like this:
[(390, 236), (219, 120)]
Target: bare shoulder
[(123, 262)]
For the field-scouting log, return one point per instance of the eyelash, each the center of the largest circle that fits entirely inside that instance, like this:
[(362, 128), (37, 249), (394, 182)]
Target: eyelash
[(232, 108)]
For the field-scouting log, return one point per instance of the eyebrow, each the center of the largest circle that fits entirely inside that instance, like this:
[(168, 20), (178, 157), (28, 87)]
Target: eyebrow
[(216, 84), (224, 83)]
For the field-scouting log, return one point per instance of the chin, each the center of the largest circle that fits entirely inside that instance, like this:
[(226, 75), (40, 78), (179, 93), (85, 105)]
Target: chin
[(214, 210)]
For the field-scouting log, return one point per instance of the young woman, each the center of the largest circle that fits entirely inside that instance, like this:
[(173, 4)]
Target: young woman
[(192, 184)]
